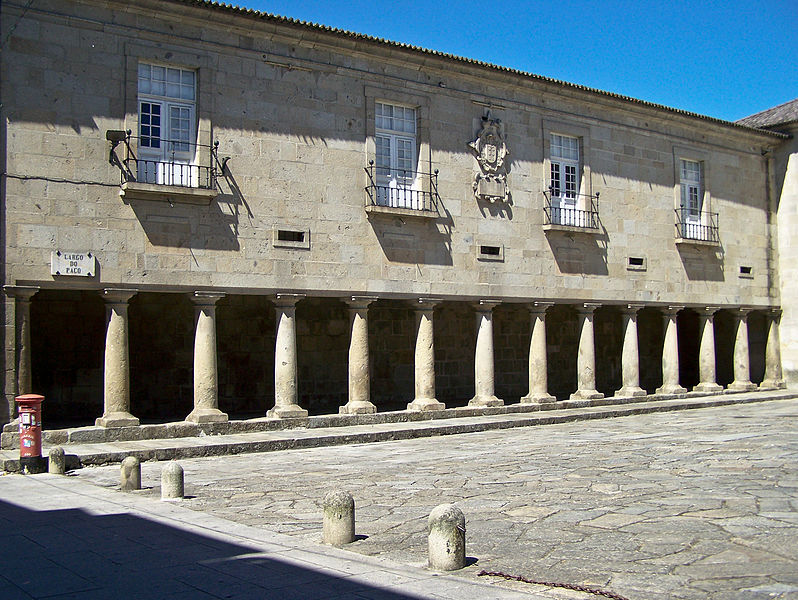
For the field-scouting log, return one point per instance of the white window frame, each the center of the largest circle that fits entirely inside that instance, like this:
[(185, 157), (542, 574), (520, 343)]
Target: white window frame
[(695, 213), (691, 189), (395, 130), (173, 90), (564, 178), (583, 189)]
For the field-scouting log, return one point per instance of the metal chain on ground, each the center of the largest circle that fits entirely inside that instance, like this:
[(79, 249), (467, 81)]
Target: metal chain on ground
[(567, 586)]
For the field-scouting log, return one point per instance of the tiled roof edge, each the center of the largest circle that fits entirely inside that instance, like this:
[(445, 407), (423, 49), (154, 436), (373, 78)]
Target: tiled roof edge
[(249, 12)]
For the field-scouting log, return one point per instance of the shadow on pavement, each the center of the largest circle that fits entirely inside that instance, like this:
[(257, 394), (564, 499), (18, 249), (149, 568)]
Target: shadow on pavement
[(70, 553)]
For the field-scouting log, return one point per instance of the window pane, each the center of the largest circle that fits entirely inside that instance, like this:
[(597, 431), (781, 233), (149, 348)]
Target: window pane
[(571, 187), (404, 157), (150, 125), (383, 155), (555, 179)]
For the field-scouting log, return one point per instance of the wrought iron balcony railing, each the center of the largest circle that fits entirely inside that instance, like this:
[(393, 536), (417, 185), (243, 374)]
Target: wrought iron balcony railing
[(700, 226), (170, 169), (557, 210), (399, 188)]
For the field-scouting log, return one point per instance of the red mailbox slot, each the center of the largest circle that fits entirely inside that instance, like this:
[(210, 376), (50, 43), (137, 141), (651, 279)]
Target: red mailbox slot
[(30, 425)]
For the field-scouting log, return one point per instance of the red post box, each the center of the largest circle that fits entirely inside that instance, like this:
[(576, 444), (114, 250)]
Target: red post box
[(30, 431)]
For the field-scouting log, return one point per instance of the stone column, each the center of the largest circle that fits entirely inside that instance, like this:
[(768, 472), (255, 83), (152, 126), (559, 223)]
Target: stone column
[(742, 370), (538, 361), (116, 376), (425, 358), (23, 372), (484, 377), (359, 380), (630, 356), (206, 383), (774, 379), (670, 354), (706, 352), (286, 398), (586, 357)]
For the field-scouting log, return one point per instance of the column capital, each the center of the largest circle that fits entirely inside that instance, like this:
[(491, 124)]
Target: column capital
[(360, 302), (707, 311), (288, 300), (427, 303), (540, 307), (486, 305), (206, 298), (774, 312), (118, 295), (741, 311), (21, 292), (671, 309), (587, 308), (632, 308)]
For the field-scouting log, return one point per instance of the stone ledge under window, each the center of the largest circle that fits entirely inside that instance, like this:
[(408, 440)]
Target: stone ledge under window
[(401, 212), (134, 190), (571, 228), (692, 242)]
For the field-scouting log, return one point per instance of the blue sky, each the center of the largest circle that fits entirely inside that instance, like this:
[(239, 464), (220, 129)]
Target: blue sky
[(725, 59)]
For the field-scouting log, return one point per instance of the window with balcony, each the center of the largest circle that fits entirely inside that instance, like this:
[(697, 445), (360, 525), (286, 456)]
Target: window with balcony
[(163, 160), (566, 206), (693, 223), (564, 180), (167, 136), (395, 141), (395, 182)]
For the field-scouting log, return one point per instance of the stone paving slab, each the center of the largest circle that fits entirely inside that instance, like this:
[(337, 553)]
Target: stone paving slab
[(282, 439), (692, 505), (65, 538)]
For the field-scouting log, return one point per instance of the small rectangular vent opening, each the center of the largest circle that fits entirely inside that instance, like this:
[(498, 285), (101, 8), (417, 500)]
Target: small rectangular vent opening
[(636, 263), (490, 250), (290, 236), (746, 270)]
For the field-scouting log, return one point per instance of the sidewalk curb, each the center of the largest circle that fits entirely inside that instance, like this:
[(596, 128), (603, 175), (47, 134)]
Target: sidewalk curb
[(81, 455)]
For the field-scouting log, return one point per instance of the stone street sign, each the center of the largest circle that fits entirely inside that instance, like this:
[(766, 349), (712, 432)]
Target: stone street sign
[(79, 264)]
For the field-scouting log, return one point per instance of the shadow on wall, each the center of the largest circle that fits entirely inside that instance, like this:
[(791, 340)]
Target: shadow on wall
[(412, 241), (702, 263), (579, 253), (107, 556), (188, 226)]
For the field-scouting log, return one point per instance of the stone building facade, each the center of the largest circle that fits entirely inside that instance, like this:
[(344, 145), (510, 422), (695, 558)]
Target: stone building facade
[(214, 213)]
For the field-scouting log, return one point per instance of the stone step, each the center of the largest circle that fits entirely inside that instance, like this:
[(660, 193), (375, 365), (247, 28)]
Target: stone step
[(244, 436)]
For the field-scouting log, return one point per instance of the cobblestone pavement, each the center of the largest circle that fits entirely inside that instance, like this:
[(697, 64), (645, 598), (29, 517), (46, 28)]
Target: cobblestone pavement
[(694, 504)]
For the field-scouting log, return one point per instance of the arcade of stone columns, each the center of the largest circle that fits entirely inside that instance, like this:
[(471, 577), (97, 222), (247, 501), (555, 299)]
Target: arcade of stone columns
[(117, 410)]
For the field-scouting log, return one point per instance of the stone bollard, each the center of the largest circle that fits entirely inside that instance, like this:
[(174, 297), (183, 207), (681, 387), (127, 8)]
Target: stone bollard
[(57, 463), (172, 482), (338, 525), (446, 538), (130, 474)]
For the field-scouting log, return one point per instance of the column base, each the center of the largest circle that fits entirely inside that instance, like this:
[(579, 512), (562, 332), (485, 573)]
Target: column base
[(426, 404), (206, 415), (537, 398), (773, 384), (742, 386), (630, 392), (671, 388), (288, 411), (357, 407), (117, 419), (708, 387), (485, 401), (587, 395)]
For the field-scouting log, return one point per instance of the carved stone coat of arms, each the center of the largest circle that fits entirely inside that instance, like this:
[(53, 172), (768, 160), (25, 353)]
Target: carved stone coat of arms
[(490, 151)]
